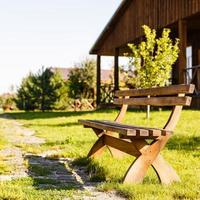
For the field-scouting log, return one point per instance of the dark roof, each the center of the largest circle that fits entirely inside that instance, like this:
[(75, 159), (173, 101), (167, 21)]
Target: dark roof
[(106, 74), (108, 28), (126, 24)]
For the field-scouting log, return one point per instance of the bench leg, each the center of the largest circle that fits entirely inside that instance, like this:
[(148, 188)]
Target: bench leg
[(99, 146), (165, 172), (150, 156)]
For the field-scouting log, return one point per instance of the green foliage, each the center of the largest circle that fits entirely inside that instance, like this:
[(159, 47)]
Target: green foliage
[(1, 101), (153, 59), (49, 89), (25, 99), (82, 80), (2, 140), (44, 91), (128, 76), (7, 102)]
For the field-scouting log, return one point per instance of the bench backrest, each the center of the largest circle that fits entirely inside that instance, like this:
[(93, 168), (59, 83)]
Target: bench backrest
[(173, 95)]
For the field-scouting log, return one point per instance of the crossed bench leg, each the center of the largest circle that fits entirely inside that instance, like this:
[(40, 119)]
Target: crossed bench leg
[(98, 147), (146, 155), (150, 155)]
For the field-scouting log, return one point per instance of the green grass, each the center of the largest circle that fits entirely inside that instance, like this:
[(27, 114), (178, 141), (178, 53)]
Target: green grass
[(24, 189), (63, 133), (4, 168), (3, 141)]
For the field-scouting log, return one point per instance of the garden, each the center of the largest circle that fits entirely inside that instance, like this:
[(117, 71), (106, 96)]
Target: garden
[(65, 138)]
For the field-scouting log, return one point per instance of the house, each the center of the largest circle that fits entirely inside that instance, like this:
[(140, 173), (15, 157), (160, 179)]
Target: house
[(181, 16)]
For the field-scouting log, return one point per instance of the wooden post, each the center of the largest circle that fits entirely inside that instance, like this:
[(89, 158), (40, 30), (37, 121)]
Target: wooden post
[(198, 71), (116, 70), (148, 110), (98, 86), (182, 33)]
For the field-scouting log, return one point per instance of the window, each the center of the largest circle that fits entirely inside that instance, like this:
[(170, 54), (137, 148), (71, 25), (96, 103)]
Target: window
[(189, 64)]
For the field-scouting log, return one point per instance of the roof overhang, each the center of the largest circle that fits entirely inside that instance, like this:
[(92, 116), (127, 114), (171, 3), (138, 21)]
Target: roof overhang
[(109, 27)]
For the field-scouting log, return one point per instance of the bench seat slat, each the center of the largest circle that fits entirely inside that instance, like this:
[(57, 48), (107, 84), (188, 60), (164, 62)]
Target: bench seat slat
[(123, 129), (155, 101)]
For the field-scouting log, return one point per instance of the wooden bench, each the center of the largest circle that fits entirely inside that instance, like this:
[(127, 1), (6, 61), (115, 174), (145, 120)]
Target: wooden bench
[(133, 139)]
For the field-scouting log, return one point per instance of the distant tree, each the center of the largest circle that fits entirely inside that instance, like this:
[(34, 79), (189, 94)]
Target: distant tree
[(40, 91), (82, 80), (128, 76), (47, 85), (1, 101), (7, 101), (26, 99), (62, 90)]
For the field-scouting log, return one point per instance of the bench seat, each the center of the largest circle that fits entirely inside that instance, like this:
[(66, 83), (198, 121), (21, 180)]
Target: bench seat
[(125, 130)]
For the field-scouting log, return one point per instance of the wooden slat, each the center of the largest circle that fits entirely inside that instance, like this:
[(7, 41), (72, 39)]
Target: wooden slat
[(155, 101), (159, 91), (90, 123), (121, 145), (152, 131), (132, 131)]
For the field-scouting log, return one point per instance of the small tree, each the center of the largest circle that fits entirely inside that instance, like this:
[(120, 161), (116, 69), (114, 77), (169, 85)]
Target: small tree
[(41, 91), (47, 88), (82, 80), (25, 96), (153, 59)]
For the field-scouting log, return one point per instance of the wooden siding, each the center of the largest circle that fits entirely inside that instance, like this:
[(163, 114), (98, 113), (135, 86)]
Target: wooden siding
[(155, 13)]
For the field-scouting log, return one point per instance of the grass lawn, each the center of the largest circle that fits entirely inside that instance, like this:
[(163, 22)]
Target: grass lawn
[(63, 133), (3, 141)]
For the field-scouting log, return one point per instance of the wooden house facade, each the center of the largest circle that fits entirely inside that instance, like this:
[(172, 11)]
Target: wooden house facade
[(125, 26)]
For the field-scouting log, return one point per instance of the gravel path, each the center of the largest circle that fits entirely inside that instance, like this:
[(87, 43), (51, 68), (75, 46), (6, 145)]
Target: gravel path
[(55, 173)]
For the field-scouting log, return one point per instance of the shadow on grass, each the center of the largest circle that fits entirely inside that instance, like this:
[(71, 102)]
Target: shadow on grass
[(96, 172), (65, 124), (48, 173), (68, 140), (99, 173)]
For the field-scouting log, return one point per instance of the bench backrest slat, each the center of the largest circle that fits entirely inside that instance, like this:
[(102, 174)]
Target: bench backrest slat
[(155, 101), (159, 91), (161, 96)]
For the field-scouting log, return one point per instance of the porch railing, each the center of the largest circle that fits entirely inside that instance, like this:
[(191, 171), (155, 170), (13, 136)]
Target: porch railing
[(107, 93)]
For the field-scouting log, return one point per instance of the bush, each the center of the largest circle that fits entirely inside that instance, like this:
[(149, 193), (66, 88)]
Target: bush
[(7, 102), (82, 80)]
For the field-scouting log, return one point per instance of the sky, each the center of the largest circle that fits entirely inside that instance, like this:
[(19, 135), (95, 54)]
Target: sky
[(49, 33)]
